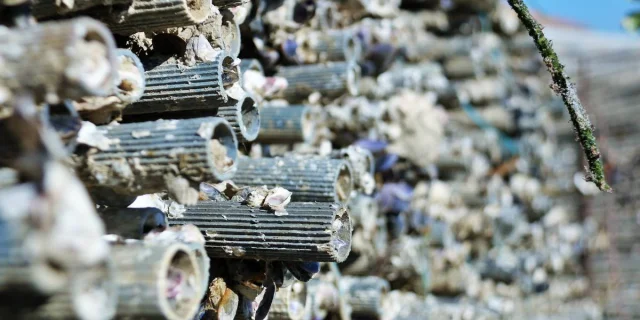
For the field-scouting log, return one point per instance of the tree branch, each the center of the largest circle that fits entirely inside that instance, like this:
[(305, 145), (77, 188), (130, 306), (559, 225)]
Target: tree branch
[(563, 87)]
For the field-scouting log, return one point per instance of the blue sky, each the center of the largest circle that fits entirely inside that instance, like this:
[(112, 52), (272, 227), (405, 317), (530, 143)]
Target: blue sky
[(604, 15)]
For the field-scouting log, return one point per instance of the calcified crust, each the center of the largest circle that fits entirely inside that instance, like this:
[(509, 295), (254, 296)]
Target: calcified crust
[(142, 156), (309, 232), (157, 281), (155, 15), (58, 60)]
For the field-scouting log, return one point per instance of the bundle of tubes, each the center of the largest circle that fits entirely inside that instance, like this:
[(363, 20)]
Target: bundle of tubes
[(296, 159)]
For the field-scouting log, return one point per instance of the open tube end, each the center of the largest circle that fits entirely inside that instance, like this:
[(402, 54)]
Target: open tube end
[(224, 150), (93, 58), (249, 118), (229, 77), (353, 48), (344, 183), (308, 125), (341, 229), (353, 78), (130, 84), (198, 10), (179, 284)]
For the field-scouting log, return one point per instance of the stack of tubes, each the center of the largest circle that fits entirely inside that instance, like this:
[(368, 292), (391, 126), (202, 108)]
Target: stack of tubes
[(294, 159)]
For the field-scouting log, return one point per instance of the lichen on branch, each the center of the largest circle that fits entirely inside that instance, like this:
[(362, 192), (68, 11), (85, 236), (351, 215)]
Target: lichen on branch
[(563, 87)]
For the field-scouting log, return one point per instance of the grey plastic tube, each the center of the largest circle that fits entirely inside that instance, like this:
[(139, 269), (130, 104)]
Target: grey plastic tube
[(309, 178), (462, 67), (132, 223), (50, 8), (154, 15), (310, 231), (330, 45), (364, 295), (290, 303), (286, 124), (156, 281), (331, 79), (225, 4), (175, 87), (91, 294), (54, 61), (243, 116), (141, 156)]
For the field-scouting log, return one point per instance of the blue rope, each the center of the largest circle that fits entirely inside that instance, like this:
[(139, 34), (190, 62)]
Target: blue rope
[(507, 144)]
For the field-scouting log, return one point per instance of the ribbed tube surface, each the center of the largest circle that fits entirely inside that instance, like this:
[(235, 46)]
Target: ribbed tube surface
[(49, 8), (365, 295), (243, 116), (132, 223), (144, 285), (286, 124), (152, 15), (54, 61), (91, 294), (331, 79), (333, 45), (461, 67), (141, 155), (310, 231), (224, 4), (174, 87), (309, 178)]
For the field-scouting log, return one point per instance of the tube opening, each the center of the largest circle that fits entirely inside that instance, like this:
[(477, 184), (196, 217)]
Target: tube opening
[(198, 10), (308, 125), (181, 289), (341, 234), (224, 150), (344, 184), (249, 119), (353, 79), (230, 72), (353, 48), (131, 81), (168, 44)]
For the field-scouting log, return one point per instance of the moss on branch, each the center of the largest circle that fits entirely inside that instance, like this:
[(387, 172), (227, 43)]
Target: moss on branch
[(563, 87)]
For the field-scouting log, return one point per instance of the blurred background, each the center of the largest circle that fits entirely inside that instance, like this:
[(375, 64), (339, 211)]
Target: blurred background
[(597, 42)]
